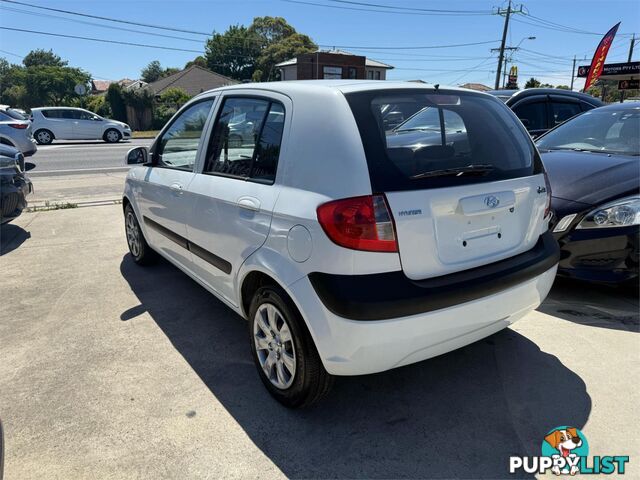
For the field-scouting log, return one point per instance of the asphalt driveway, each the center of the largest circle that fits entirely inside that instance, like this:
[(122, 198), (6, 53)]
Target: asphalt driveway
[(109, 370)]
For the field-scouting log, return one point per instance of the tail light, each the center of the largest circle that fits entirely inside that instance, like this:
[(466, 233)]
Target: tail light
[(547, 208), (360, 223), (19, 126)]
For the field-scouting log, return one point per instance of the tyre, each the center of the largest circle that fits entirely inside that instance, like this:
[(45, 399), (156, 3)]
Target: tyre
[(112, 136), (43, 136), (140, 250), (284, 353)]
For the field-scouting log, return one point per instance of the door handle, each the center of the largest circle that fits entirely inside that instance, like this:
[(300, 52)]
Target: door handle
[(177, 188), (249, 203)]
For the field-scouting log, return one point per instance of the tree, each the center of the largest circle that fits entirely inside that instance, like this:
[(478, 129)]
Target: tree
[(43, 58), (168, 104), (233, 53), (115, 100), (152, 72), (532, 83), (199, 61), (563, 87)]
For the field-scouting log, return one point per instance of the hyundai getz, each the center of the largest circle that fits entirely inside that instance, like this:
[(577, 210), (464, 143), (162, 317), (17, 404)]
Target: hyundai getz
[(351, 246)]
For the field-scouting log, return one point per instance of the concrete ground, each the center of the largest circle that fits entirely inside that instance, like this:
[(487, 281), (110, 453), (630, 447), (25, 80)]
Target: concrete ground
[(113, 371)]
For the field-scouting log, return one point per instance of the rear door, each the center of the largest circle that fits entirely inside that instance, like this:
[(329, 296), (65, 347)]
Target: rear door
[(60, 122), (461, 177), (235, 193), (533, 112)]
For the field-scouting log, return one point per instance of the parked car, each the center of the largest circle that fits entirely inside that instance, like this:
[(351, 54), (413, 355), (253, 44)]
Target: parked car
[(593, 162), (66, 123), (15, 131), (540, 109), (14, 185), (347, 255)]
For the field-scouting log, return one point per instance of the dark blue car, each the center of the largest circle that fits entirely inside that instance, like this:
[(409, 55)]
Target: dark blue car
[(593, 163)]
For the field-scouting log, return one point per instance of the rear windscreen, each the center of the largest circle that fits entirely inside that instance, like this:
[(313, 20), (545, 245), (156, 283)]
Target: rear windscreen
[(415, 140)]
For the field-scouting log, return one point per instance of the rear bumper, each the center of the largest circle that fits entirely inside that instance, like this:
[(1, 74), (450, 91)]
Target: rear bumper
[(391, 295), (349, 347)]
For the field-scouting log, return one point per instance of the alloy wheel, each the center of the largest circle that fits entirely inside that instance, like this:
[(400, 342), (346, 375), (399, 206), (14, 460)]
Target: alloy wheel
[(274, 346), (44, 137), (112, 136), (133, 234)]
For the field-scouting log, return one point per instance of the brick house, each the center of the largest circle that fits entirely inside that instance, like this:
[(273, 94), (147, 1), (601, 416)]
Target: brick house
[(332, 64)]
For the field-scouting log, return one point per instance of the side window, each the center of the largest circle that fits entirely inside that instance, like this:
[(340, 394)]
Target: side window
[(178, 146), (70, 114), (85, 115), (533, 115), (52, 113), (563, 111), (245, 142)]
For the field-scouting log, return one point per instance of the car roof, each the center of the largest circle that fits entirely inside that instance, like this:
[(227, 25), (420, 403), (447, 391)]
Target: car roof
[(57, 108), (528, 92), (300, 87)]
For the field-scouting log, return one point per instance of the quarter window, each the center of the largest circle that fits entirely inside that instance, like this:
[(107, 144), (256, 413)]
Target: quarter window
[(178, 146), (246, 140)]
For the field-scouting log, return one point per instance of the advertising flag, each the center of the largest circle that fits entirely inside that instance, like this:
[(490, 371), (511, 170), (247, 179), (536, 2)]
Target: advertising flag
[(597, 64)]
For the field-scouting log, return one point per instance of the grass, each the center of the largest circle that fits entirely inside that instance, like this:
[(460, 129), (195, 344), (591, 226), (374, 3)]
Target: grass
[(145, 133), (52, 206)]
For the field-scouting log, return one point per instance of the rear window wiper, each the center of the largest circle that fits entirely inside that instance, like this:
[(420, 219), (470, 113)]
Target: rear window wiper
[(479, 169)]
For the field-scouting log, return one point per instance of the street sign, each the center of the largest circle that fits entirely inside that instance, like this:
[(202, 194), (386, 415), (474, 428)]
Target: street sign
[(80, 89), (628, 84)]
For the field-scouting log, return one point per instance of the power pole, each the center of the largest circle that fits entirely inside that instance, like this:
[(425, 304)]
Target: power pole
[(633, 42), (505, 60), (507, 13), (573, 71)]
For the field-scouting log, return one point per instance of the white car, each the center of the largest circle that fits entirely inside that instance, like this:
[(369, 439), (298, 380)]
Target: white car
[(349, 249), (67, 123)]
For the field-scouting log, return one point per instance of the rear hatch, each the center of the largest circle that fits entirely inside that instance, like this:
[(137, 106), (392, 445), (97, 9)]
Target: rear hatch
[(462, 178)]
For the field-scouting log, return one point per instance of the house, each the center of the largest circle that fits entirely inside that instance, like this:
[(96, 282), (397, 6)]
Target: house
[(476, 86), (332, 64), (193, 80), (100, 86)]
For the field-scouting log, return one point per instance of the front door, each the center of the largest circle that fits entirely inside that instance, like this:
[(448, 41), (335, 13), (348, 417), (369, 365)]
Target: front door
[(87, 125), (235, 193), (164, 199)]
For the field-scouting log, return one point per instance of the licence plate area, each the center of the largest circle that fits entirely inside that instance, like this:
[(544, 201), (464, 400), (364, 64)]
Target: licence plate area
[(467, 226)]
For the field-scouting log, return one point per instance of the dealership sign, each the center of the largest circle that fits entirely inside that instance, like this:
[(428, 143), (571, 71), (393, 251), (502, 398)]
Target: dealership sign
[(628, 84), (610, 69)]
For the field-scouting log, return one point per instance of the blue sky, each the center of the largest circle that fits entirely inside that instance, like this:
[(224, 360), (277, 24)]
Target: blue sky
[(548, 57)]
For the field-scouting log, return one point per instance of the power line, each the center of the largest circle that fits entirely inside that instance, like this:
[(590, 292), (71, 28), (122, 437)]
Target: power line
[(75, 20), (108, 19), (374, 10), (11, 53), (101, 40), (413, 9), (411, 47)]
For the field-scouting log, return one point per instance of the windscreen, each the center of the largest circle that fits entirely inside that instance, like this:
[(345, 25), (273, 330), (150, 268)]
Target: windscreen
[(604, 131), (415, 139)]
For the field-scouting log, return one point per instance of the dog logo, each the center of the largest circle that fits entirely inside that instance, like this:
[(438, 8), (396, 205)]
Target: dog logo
[(491, 201), (568, 444)]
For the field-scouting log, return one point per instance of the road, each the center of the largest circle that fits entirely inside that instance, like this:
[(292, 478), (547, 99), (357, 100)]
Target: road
[(114, 371), (81, 157)]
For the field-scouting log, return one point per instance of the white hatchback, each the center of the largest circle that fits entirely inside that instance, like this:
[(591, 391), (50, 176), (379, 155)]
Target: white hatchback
[(353, 242), (67, 123)]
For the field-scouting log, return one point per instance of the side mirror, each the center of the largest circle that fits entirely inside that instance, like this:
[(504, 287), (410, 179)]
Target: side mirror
[(137, 156), (97, 118)]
